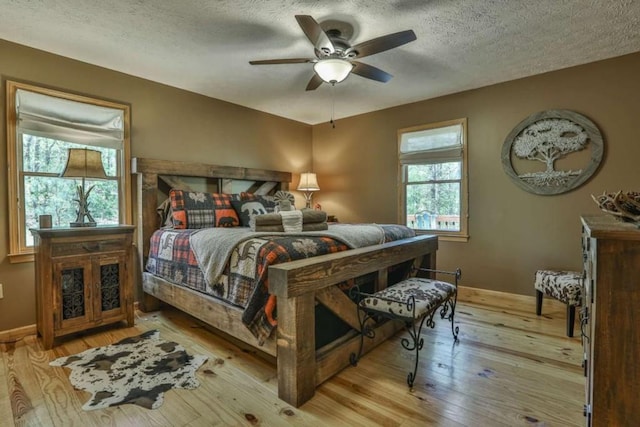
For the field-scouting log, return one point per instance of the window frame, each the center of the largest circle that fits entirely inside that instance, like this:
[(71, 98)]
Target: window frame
[(445, 235), (18, 251)]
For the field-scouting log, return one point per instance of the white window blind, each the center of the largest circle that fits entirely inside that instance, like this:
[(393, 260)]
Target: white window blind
[(436, 145), (82, 123)]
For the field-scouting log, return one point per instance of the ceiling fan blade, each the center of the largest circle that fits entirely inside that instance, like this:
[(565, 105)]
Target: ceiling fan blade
[(282, 61), (370, 72), (314, 83), (315, 33), (382, 43)]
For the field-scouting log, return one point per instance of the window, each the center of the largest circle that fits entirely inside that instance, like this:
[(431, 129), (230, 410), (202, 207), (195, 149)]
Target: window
[(42, 124), (433, 179)]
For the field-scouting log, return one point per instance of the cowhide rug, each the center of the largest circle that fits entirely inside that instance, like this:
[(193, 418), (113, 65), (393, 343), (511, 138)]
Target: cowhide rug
[(135, 370)]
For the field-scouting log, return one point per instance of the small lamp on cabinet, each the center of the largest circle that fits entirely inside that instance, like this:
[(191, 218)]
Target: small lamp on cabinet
[(83, 163)]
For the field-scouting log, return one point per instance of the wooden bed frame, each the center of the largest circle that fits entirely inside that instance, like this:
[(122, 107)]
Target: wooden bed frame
[(297, 284)]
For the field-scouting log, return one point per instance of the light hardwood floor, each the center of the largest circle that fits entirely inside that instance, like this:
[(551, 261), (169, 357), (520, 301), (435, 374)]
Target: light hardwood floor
[(510, 368)]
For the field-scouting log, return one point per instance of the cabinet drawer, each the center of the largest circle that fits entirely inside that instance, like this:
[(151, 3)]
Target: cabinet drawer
[(86, 248)]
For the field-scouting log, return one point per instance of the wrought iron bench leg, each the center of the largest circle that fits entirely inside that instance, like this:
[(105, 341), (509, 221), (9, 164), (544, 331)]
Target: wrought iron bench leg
[(364, 331), (416, 343), (450, 304)]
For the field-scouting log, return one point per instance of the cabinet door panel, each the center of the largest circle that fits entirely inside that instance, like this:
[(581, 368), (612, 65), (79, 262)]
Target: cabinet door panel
[(72, 294), (110, 287), (109, 278)]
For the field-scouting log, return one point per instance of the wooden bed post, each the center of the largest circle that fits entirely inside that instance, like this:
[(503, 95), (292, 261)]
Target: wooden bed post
[(296, 356), (297, 284), (147, 220)]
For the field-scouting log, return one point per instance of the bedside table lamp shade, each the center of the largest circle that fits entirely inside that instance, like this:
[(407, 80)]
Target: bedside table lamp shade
[(84, 163), (308, 184)]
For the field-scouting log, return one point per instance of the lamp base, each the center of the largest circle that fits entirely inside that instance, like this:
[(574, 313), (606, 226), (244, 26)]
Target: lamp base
[(83, 208), (307, 197), (82, 224)]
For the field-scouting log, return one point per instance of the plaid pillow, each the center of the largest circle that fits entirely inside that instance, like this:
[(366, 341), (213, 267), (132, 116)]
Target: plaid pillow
[(202, 210)]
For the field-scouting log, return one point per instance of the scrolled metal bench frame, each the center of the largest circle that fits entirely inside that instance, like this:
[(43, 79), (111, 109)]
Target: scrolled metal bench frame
[(416, 342)]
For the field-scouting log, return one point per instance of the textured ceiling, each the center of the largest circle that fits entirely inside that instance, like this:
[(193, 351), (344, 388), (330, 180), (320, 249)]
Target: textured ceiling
[(205, 46)]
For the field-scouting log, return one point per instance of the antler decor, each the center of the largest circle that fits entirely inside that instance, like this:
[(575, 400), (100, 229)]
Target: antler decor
[(625, 206)]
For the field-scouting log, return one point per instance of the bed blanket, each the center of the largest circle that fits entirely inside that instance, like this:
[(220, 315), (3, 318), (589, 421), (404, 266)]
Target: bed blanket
[(213, 258)]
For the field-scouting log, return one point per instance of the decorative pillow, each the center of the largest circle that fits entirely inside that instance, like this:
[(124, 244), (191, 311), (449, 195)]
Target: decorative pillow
[(268, 202), (247, 209), (202, 210)]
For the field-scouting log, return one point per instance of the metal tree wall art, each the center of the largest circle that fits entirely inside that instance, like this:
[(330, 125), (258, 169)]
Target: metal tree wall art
[(546, 141), (547, 137)]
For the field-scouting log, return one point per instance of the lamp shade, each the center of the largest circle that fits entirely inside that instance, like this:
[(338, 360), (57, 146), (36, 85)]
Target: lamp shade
[(308, 182), (84, 163), (333, 70)]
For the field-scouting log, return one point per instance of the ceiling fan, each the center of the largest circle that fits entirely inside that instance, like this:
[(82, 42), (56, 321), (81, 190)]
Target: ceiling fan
[(336, 58)]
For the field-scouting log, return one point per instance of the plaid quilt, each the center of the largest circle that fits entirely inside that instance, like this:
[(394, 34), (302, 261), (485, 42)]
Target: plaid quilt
[(244, 282)]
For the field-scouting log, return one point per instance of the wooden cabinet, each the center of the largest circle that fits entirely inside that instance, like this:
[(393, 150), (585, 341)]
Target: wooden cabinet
[(84, 278), (611, 321)]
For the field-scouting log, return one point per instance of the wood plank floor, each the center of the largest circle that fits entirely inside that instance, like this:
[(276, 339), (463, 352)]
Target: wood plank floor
[(510, 368)]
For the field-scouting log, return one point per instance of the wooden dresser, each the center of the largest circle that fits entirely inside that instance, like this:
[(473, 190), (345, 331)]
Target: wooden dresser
[(84, 278), (611, 321)]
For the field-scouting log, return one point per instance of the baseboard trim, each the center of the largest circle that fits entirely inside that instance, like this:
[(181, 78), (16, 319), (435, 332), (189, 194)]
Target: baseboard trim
[(467, 293), (479, 295), (13, 335)]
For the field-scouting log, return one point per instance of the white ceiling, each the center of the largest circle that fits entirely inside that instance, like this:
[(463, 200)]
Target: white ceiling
[(204, 46)]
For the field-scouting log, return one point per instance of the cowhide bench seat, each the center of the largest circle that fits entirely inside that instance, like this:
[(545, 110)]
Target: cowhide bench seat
[(565, 286), (414, 301)]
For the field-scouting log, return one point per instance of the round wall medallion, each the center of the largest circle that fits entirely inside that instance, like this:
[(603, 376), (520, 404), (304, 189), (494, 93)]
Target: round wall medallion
[(552, 152)]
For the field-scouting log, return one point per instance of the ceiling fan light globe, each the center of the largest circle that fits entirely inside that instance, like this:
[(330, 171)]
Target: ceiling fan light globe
[(333, 70)]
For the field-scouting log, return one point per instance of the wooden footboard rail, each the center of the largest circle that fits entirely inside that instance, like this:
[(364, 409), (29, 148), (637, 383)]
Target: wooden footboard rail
[(297, 285)]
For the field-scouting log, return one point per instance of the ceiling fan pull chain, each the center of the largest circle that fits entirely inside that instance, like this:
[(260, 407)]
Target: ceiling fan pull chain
[(333, 105)]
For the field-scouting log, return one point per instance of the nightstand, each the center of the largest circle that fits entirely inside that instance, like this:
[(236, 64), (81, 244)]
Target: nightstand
[(84, 278)]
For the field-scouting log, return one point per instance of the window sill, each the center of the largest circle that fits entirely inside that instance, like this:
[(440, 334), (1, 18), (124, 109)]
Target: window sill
[(453, 238), (445, 237), (20, 258)]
